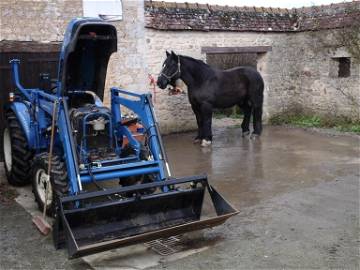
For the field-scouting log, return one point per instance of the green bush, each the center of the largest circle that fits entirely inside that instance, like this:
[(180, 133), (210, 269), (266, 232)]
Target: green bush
[(233, 112), (305, 120)]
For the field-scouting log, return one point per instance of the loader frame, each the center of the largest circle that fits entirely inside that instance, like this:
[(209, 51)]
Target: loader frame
[(42, 104)]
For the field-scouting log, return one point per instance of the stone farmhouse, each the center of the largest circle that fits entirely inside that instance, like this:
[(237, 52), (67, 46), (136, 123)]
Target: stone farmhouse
[(309, 57)]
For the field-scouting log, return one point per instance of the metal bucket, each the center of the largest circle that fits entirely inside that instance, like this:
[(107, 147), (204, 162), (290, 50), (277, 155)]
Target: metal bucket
[(97, 221)]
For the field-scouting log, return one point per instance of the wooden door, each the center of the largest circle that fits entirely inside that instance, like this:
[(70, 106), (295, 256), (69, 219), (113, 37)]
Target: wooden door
[(35, 58)]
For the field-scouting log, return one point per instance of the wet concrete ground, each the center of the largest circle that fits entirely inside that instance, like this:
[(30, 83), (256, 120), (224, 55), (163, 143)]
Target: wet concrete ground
[(297, 192), (282, 160)]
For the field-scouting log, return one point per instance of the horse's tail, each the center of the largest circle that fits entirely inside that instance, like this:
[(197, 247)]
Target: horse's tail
[(256, 96), (256, 90)]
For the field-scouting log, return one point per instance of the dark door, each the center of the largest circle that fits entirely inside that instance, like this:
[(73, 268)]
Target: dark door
[(226, 61), (35, 58), (230, 60)]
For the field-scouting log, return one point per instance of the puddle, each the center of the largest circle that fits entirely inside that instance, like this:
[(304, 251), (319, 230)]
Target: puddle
[(250, 171)]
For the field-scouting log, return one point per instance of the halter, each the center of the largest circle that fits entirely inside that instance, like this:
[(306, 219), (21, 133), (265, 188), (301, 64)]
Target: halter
[(178, 71)]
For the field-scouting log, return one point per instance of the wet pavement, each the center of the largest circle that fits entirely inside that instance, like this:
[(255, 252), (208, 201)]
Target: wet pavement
[(297, 192), (251, 171)]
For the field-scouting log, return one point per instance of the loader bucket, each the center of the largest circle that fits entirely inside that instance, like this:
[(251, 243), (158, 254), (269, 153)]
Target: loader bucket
[(102, 220)]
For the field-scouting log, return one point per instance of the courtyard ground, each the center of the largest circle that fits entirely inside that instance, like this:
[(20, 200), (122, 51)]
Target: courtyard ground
[(297, 192)]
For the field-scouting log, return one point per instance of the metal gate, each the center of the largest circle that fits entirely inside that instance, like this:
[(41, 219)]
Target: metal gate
[(35, 58)]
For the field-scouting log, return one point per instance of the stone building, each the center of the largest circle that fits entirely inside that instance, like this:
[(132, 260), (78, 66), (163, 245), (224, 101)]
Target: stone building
[(300, 52)]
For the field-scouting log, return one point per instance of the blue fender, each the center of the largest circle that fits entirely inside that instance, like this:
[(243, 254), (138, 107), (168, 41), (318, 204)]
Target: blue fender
[(23, 115)]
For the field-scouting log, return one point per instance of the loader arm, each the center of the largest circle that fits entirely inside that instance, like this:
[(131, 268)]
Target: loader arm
[(45, 103), (16, 79), (142, 106)]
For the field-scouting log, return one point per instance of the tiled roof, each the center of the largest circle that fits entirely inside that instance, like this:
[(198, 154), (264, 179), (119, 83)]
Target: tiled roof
[(203, 17)]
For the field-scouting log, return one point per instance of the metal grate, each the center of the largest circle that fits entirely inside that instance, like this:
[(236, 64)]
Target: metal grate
[(165, 246)]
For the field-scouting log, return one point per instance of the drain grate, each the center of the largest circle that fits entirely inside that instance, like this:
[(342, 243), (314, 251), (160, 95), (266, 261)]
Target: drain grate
[(165, 246)]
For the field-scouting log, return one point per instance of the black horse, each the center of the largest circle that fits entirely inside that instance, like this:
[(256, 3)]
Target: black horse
[(210, 88)]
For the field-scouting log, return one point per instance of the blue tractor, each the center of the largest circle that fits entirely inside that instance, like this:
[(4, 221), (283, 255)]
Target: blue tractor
[(140, 200)]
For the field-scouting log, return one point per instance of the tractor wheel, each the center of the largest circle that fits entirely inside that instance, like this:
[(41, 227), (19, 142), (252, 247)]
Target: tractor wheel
[(16, 152), (58, 186)]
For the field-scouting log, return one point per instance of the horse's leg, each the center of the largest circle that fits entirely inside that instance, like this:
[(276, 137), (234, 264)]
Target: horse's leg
[(197, 113), (246, 121), (257, 97), (206, 114), (257, 121)]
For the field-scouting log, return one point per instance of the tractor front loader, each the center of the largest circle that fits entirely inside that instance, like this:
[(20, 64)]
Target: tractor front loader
[(93, 144)]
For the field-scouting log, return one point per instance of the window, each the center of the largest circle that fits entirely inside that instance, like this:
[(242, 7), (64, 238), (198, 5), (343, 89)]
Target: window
[(344, 67), (340, 67)]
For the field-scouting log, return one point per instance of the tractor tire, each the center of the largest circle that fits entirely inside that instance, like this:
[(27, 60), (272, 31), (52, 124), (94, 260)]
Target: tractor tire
[(59, 183), (16, 152)]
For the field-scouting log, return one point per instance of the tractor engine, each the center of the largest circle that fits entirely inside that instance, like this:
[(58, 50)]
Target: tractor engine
[(92, 131)]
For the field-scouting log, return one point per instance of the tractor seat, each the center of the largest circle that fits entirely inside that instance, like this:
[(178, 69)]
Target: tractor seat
[(81, 98)]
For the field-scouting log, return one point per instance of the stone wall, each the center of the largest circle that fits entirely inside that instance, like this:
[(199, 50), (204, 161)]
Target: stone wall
[(298, 71), (127, 67), (36, 20), (320, 90), (175, 111)]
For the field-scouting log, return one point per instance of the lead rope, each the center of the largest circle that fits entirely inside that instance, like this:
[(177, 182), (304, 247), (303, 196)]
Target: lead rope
[(152, 83), (48, 183)]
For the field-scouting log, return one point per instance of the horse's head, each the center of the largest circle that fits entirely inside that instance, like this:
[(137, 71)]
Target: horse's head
[(170, 71)]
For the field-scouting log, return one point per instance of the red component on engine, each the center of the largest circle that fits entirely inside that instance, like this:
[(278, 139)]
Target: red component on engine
[(136, 130)]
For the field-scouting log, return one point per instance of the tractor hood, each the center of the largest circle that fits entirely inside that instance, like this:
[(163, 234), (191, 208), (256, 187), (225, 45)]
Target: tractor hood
[(87, 47)]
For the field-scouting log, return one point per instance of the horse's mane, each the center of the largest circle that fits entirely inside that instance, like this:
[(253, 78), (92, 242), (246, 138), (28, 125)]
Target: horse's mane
[(197, 61), (204, 70)]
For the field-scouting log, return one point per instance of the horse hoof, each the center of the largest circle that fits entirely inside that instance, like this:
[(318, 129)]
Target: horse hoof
[(205, 143), (254, 136), (245, 134)]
